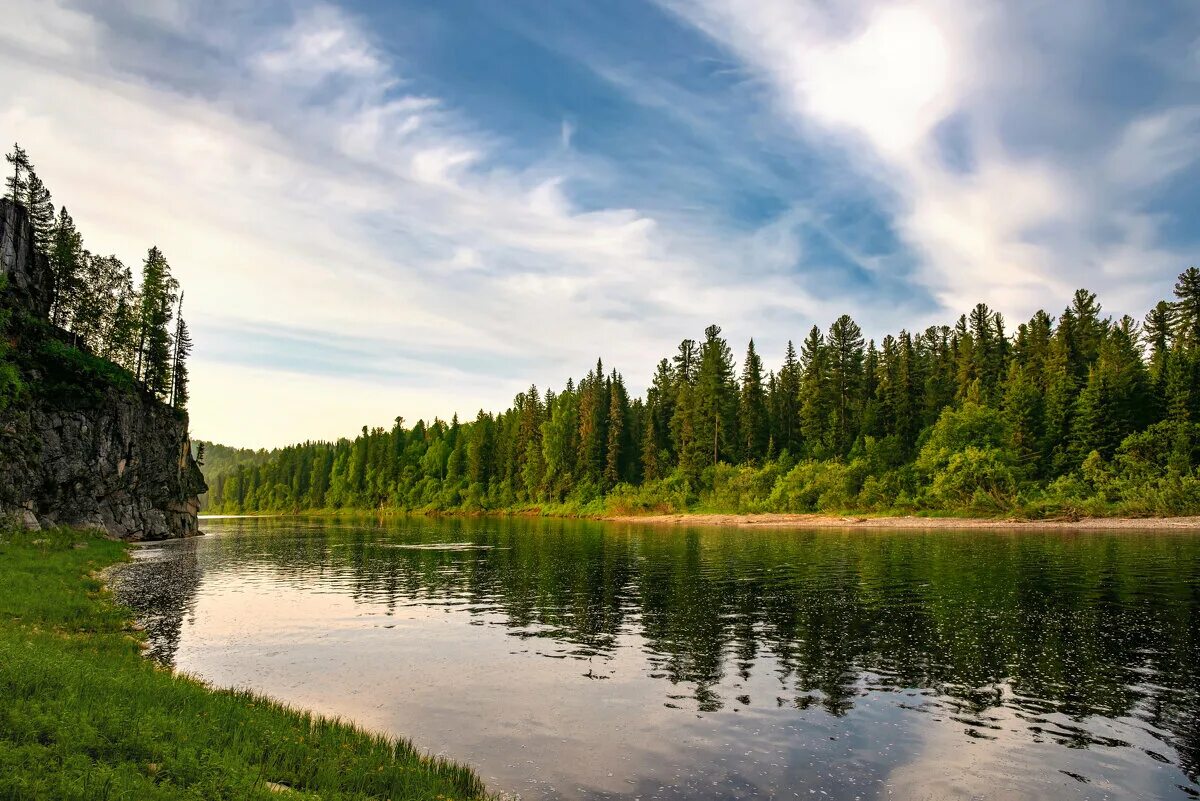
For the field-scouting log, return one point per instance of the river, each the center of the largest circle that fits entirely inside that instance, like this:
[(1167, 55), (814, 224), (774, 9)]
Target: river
[(584, 660)]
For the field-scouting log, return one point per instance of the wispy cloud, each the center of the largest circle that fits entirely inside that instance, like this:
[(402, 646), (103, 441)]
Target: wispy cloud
[(1015, 222), (346, 216)]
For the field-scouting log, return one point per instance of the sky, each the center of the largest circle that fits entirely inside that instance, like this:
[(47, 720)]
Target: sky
[(417, 209)]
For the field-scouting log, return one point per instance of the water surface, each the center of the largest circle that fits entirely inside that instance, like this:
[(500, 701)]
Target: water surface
[(583, 660)]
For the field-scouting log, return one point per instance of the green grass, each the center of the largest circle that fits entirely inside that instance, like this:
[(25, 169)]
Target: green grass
[(84, 716)]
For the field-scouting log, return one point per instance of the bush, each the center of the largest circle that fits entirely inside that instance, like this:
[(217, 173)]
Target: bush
[(812, 487), (741, 489), (664, 496), (968, 462), (72, 373)]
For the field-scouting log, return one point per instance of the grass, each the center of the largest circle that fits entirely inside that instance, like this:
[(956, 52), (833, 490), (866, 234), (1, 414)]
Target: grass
[(84, 716)]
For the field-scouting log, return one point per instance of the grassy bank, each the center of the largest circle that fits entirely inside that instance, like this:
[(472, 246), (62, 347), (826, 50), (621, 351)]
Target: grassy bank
[(84, 716)]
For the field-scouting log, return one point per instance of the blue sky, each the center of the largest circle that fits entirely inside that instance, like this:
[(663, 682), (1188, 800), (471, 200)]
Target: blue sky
[(419, 208)]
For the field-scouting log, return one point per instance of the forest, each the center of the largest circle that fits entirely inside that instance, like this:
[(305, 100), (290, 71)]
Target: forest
[(99, 320), (1066, 416)]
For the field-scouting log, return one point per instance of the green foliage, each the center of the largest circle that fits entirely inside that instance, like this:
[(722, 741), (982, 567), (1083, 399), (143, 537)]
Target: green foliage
[(85, 716), (1052, 420), (70, 374), (10, 376), (95, 302)]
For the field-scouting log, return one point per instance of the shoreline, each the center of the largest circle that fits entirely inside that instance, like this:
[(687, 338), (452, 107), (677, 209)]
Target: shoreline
[(71, 661), (779, 520), (784, 520)]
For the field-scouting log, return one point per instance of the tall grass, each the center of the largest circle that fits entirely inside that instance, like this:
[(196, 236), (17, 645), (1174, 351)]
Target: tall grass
[(84, 716)]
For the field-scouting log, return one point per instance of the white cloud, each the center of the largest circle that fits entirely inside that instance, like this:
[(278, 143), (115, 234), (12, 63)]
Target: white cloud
[(370, 212), (321, 42), (878, 78)]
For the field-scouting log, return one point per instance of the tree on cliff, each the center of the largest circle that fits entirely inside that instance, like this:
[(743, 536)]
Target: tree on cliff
[(183, 349), (66, 258), (18, 182), (41, 214), (158, 299)]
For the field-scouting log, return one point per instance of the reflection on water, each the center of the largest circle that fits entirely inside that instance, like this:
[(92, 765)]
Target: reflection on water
[(583, 660)]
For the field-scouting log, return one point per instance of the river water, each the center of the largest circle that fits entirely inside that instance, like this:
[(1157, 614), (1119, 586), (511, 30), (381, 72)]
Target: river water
[(582, 660)]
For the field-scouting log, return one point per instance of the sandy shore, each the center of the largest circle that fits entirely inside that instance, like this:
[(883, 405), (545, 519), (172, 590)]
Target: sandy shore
[(826, 521)]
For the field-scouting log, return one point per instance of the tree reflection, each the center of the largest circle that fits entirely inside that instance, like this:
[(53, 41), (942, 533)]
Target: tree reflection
[(1074, 625)]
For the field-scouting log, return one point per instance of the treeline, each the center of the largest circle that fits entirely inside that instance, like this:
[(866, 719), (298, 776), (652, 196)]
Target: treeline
[(95, 302), (1079, 414)]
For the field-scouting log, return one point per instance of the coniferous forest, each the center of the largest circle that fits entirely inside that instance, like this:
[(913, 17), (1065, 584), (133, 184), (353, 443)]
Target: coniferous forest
[(1067, 415), (100, 320)]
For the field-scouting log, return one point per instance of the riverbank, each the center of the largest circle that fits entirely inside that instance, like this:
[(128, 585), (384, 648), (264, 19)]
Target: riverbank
[(851, 521), (774, 519), (85, 716)]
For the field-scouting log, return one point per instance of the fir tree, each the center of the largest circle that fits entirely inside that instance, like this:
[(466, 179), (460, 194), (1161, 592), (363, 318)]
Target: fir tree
[(845, 346), (753, 425), (788, 427), (17, 184), (617, 451), (815, 403), (183, 349), (157, 302), (66, 257), (41, 213), (1187, 307), (715, 397)]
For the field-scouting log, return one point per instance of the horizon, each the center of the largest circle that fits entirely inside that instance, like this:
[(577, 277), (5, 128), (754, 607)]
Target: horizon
[(391, 210)]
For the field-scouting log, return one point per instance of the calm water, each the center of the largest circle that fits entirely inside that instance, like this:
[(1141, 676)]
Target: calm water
[(586, 660)]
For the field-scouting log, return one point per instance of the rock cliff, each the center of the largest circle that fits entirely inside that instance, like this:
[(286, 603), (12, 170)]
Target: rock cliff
[(78, 447)]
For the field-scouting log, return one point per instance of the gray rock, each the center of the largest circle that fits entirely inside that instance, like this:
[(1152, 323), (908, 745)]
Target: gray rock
[(29, 276), (113, 458)]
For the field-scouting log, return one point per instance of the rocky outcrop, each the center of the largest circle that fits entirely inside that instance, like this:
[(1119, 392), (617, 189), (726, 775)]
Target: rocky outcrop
[(30, 280), (79, 449)]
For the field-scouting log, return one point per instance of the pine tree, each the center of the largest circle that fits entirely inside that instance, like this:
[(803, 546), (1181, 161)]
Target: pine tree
[(845, 346), (660, 405), (716, 398), (1113, 404), (157, 301), (17, 184), (593, 414), (617, 450), (41, 213), (651, 453), (1060, 393), (1085, 330), (183, 349), (815, 402), (1022, 406), (788, 427), (753, 425), (121, 337), (66, 257), (1187, 307)]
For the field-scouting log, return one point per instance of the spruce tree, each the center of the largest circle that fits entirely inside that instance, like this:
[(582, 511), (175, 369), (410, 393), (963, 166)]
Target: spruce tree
[(41, 213), (66, 257), (1187, 307), (716, 398), (660, 405), (617, 450), (845, 346), (17, 183), (157, 302), (753, 425), (788, 427), (183, 349), (1022, 406), (815, 402), (650, 452)]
